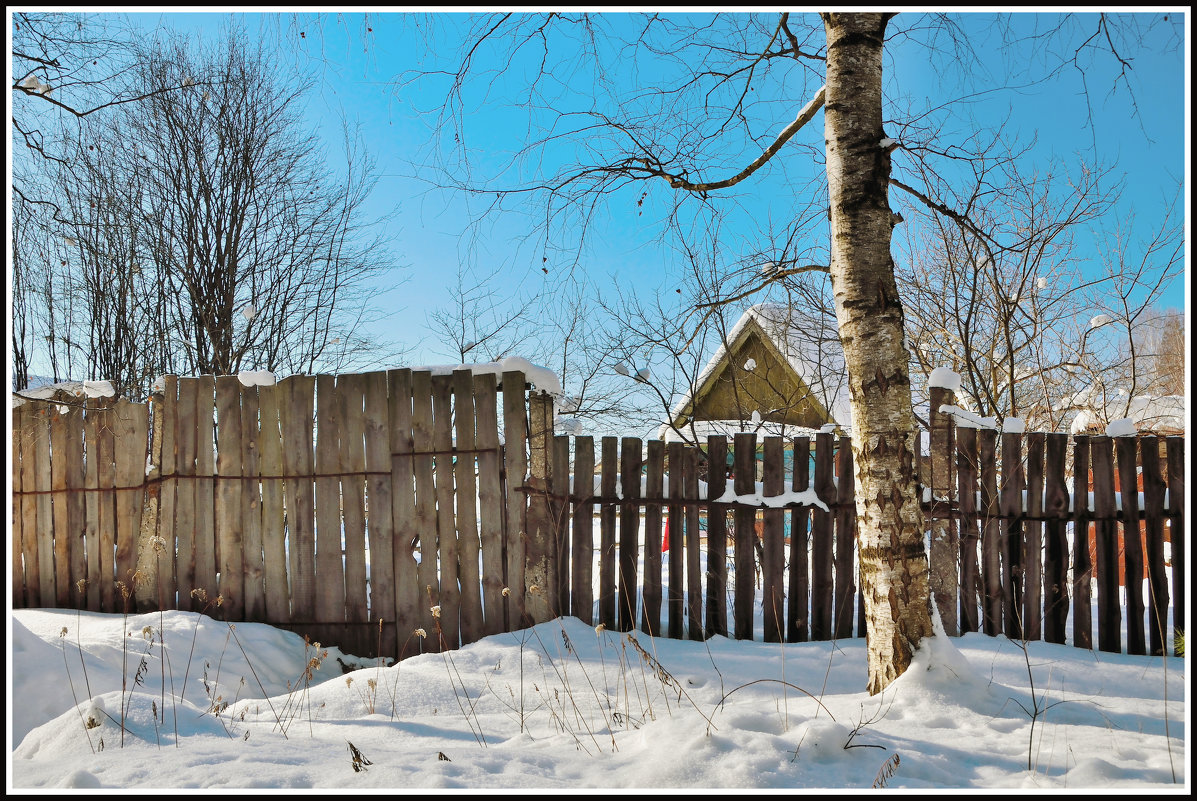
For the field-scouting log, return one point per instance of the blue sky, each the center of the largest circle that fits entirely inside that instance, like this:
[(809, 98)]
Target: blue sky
[(356, 71)]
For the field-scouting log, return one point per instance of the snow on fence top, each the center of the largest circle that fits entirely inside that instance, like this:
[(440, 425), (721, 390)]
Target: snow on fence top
[(945, 378), (542, 378), (90, 389)]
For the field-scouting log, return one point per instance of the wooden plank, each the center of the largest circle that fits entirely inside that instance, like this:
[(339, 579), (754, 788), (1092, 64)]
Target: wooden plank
[(351, 399), (945, 548), (330, 564), (582, 602), (130, 429), (1109, 606), (380, 527), (449, 594), (168, 424), (43, 483), (610, 477), (76, 482), (1082, 565), (1154, 490), (773, 544), (1056, 503), (629, 532), (540, 538), (205, 490), (409, 596), (185, 492), (18, 564), (515, 462), (823, 541), (252, 566), (654, 484), (1133, 568), (675, 533), (59, 432), (970, 577), (91, 502), (465, 479), (991, 534), (845, 540), (798, 588), (561, 517), (230, 533), (1032, 555), (30, 552), (1010, 504), (716, 595), (272, 400), (298, 466), (693, 544), (744, 483), (1177, 534), (329, 532), (149, 551), (427, 570), (490, 502)]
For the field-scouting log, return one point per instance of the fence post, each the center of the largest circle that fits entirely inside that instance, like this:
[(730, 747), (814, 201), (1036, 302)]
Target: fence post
[(945, 545), (540, 564)]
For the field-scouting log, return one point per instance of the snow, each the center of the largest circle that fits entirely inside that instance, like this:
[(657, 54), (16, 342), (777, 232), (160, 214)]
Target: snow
[(1122, 427), (1164, 414), (729, 428), (542, 378), (80, 389), (750, 365), (564, 707), (966, 419), (944, 377), (1014, 425), (256, 378)]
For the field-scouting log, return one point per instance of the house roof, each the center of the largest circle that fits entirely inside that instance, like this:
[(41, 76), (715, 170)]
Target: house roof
[(1164, 414), (810, 347)]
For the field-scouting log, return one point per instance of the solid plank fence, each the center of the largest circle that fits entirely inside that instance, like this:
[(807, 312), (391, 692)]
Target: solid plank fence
[(357, 509)]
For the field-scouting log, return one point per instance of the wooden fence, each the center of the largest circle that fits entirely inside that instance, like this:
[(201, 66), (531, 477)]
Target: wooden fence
[(338, 507), (346, 508)]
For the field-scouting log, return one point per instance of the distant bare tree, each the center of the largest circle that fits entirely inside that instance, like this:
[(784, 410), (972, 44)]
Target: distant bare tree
[(198, 228), (1167, 345)]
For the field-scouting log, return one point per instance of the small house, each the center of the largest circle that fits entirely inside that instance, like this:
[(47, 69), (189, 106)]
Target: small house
[(778, 373)]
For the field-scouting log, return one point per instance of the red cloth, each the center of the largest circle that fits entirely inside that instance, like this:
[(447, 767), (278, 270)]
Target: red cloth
[(665, 539)]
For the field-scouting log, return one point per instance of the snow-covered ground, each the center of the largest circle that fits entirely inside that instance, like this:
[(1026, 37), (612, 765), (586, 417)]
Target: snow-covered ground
[(566, 706)]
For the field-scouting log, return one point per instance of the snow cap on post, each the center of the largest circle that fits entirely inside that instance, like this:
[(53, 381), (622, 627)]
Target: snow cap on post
[(945, 378)]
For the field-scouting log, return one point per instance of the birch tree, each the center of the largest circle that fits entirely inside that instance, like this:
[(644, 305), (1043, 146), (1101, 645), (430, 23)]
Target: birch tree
[(890, 547)]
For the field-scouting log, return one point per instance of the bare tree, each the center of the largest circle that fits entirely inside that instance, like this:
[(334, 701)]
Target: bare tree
[(996, 295), (202, 230), (265, 243)]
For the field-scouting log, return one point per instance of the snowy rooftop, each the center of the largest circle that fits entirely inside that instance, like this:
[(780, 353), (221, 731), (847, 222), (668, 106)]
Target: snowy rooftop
[(1148, 414)]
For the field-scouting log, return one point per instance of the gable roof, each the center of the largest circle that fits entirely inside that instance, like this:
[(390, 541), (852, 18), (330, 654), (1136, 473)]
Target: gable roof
[(1148, 414), (809, 347)]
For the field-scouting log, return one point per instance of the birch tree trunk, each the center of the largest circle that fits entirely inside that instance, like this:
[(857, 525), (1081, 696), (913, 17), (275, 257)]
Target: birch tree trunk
[(893, 559)]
